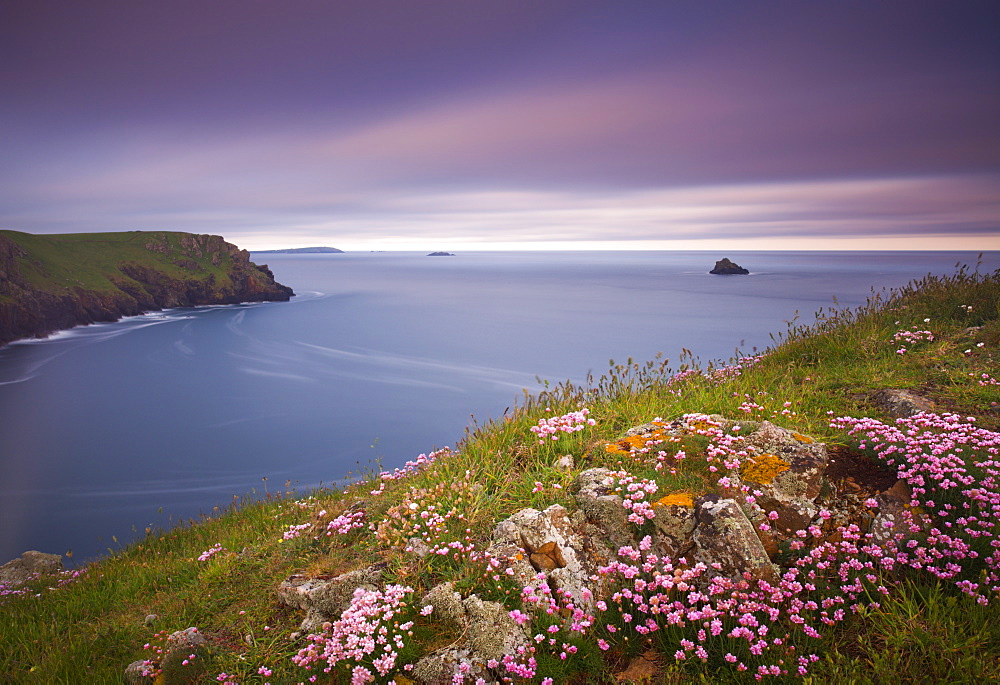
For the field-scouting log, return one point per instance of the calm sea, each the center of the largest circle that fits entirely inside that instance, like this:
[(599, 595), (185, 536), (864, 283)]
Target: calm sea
[(108, 429)]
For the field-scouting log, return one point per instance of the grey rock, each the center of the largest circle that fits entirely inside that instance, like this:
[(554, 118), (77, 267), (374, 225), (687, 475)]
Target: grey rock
[(134, 674), (595, 494), (324, 600), (440, 667), (725, 536), (900, 403), (30, 564)]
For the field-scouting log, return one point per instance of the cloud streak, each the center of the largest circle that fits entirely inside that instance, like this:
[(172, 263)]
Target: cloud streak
[(505, 126)]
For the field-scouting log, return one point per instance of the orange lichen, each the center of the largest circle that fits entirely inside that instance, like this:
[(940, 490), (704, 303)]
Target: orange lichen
[(634, 443), (682, 499), (763, 468), (803, 438)]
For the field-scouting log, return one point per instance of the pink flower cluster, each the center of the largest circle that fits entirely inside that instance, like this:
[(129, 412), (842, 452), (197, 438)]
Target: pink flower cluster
[(417, 464), (295, 530), (22, 588), (345, 523), (911, 337), (364, 637), (764, 622), (567, 423), (211, 552), (634, 492), (953, 470)]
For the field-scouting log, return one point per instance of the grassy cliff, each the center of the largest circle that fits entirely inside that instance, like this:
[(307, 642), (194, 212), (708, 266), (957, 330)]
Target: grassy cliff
[(928, 614), (51, 282)]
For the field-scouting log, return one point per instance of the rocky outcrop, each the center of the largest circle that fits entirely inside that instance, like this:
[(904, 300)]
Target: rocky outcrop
[(324, 599), (50, 283), (29, 565), (724, 267)]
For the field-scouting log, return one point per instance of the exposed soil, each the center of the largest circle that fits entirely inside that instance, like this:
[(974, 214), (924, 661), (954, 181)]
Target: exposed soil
[(853, 470)]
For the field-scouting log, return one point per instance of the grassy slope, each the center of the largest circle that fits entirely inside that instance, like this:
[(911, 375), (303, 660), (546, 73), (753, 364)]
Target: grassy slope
[(89, 629), (90, 260)]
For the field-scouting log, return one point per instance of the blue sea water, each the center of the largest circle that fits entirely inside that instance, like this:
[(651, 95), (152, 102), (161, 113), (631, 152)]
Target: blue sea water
[(108, 429)]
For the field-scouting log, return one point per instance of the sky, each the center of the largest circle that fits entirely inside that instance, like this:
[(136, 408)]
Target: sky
[(506, 124)]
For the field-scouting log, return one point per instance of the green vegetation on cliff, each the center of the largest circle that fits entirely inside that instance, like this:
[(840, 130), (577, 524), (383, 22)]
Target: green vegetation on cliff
[(51, 282), (927, 612)]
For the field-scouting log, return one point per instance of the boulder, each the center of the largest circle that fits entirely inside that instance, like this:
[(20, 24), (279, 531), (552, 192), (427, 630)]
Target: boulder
[(727, 542), (900, 404), (789, 470), (29, 565), (176, 651), (675, 523), (595, 494), (443, 665), (488, 630), (725, 267), (326, 599)]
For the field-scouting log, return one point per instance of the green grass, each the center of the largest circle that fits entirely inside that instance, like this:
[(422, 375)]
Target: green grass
[(60, 262), (90, 629)]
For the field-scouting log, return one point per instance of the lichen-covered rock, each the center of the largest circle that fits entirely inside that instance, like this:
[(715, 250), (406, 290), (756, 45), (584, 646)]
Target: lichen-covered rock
[(447, 604), (135, 674), (565, 462), (726, 541), (492, 632), (325, 599), (488, 633), (546, 536), (595, 494), (894, 516), (440, 667), (674, 523), (789, 469), (174, 664)]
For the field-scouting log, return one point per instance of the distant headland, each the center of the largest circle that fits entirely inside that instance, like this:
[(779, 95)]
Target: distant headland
[(53, 282), (301, 250), (441, 254)]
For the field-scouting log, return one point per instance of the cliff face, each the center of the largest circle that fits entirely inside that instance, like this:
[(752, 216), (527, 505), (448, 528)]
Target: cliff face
[(49, 283)]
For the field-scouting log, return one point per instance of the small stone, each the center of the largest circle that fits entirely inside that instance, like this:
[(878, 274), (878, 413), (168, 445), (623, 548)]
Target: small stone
[(565, 462)]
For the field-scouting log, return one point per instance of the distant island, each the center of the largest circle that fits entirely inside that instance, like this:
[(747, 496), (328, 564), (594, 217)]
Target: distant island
[(53, 282), (441, 254), (724, 267), (301, 250)]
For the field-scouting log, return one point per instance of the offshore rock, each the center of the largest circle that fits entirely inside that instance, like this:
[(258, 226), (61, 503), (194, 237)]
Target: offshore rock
[(724, 267)]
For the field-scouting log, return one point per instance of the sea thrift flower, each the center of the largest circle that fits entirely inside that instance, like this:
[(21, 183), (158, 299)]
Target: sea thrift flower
[(567, 423), (211, 551)]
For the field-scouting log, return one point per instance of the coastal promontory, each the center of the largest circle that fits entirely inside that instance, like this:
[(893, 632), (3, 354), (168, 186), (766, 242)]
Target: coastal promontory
[(53, 282)]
